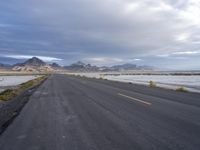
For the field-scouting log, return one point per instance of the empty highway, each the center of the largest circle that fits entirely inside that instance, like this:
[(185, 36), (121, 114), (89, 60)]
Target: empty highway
[(73, 113)]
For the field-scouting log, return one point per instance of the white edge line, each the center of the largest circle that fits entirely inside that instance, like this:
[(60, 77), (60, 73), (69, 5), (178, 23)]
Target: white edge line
[(135, 99)]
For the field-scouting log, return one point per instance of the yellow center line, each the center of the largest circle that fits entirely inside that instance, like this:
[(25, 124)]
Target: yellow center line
[(135, 99)]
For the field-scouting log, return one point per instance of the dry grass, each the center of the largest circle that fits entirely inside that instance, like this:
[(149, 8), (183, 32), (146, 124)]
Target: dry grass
[(182, 89), (10, 93), (152, 84), (7, 94)]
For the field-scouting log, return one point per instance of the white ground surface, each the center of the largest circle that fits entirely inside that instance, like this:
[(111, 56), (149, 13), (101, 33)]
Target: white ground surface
[(9, 81), (191, 83)]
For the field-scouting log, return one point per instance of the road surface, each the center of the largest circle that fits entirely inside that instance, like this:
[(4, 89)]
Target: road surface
[(71, 113)]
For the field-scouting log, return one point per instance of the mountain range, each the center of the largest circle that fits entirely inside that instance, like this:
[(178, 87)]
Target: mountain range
[(37, 65)]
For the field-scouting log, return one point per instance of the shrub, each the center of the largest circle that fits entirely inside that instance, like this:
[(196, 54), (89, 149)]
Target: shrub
[(182, 89), (78, 75), (152, 84)]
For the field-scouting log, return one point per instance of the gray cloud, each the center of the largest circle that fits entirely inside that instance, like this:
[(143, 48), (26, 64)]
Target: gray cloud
[(105, 31)]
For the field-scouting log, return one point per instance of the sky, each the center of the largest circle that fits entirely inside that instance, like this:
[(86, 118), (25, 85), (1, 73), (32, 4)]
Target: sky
[(160, 33)]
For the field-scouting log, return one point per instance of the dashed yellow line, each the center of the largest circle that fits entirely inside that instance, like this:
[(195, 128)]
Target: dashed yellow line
[(135, 99)]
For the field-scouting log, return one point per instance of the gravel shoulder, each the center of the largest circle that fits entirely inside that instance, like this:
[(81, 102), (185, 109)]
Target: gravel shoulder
[(10, 109)]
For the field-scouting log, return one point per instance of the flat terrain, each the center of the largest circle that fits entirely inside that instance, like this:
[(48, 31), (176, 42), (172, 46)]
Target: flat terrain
[(88, 114), (11, 81), (190, 82)]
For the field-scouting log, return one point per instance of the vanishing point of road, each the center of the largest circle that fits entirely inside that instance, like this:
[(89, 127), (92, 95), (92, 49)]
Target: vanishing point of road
[(73, 113)]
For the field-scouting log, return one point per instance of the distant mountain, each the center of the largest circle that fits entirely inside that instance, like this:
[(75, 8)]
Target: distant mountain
[(34, 61), (55, 65), (146, 67), (37, 65), (124, 67), (80, 66), (130, 67), (33, 65), (78, 63), (5, 67)]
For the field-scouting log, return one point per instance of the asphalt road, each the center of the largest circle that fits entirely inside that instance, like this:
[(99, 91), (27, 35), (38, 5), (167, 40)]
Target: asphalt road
[(70, 113)]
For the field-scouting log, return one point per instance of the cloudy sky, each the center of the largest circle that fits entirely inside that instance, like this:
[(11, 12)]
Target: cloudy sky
[(161, 33)]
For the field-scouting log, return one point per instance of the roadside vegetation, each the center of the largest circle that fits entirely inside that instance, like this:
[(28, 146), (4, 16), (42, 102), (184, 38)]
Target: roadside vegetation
[(10, 93), (182, 89), (152, 84)]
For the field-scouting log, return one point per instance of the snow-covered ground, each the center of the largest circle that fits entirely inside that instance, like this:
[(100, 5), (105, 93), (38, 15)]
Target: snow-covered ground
[(10, 81), (190, 82)]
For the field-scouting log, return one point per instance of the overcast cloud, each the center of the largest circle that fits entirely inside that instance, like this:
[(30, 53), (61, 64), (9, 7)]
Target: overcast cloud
[(162, 33)]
